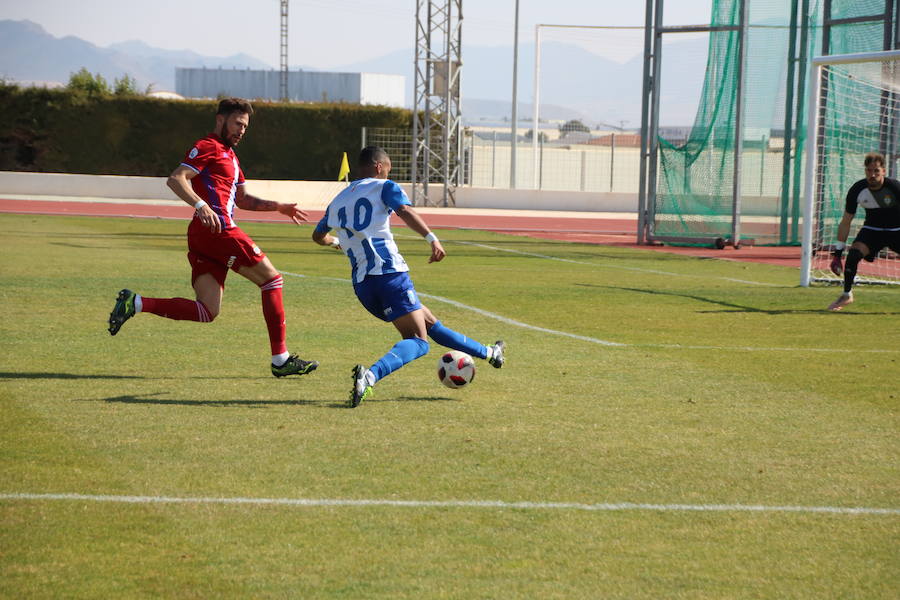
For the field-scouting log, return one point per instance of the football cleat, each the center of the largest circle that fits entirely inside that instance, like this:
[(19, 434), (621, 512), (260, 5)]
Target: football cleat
[(497, 359), (361, 389), (842, 301), (122, 311), (294, 365)]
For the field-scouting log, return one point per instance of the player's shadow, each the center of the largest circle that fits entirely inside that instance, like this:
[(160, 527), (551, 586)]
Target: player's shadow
[(149, 399), (219, 377), (731, 307), (122, 235), (40, 375), (413, 399), (69, 245)]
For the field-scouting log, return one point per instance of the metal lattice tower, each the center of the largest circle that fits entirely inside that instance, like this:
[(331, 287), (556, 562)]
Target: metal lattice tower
[(284, 50), (437, 139)]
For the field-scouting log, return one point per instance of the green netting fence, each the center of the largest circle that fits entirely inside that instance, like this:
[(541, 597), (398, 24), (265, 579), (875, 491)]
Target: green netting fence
[(694, 197)]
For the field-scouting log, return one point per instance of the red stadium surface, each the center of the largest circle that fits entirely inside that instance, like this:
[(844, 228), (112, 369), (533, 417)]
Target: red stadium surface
[(543, 224)]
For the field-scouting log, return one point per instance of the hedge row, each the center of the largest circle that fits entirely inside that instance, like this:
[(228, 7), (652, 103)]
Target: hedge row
[(61, 131)]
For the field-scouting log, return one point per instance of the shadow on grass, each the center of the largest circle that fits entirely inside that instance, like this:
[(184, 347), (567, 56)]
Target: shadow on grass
[(415, 399), (122, 235), (65, 245), (13, 375), (128, 399), (733, 307)]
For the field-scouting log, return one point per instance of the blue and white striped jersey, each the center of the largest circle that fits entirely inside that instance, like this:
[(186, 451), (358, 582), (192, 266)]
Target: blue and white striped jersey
[(361, 214)]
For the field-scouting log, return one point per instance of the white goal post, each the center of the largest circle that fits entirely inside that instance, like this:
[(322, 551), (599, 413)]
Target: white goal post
[(854, 109)]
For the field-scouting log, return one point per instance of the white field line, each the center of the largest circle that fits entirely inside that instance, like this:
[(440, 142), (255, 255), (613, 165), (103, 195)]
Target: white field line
[(498, 504), (638, 269), (758, 349), (509, 321), (491, 315), (608, 343), (610, 266)]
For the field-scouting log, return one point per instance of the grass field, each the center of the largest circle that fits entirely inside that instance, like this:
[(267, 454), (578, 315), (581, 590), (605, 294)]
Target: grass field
[(730, 397)]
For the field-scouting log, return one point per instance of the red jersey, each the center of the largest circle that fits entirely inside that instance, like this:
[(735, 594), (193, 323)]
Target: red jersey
[(218, 175)]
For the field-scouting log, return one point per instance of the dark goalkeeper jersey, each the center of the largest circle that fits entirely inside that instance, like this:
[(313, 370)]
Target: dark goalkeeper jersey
[(882, 205)]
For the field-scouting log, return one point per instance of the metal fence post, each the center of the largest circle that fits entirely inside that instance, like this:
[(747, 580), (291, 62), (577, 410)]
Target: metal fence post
[(494, 161), (583, 169), (741, 75), (468, 154), (762, 162), (541, 170), (612, 159)]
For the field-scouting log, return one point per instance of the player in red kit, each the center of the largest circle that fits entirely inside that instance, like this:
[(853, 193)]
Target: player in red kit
[(211, 181)]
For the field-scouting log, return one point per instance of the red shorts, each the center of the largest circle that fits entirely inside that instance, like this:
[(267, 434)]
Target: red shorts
[(215, 253)]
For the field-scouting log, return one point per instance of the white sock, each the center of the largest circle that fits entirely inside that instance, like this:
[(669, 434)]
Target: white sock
[(490, 353), (370, 377), (138, 304), (280, 359)]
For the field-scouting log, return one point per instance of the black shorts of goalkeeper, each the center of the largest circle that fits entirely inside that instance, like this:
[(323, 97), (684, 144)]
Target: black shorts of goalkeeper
[(876, 239)]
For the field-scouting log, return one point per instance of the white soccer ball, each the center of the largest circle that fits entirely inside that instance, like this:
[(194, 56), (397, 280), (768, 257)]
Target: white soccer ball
[(456, 369)]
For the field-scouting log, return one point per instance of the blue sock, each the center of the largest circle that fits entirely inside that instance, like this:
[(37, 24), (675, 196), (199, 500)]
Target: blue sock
[(403, 352), (457, 341)]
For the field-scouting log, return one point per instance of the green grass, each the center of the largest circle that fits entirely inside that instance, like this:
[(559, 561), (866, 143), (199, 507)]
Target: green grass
[(732, 386)]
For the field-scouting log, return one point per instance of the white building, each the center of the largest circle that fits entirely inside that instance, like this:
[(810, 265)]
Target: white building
[(303, 86)]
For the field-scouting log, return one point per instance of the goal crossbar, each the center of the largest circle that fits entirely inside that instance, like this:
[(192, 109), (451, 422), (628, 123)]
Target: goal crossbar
[(846, 59)]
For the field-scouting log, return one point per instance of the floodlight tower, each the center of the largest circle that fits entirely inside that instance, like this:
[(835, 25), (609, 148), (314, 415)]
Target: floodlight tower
[(437, 140), (284, 50)]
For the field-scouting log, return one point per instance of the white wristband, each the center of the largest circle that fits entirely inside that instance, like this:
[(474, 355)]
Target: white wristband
[(431, 237), (335, 242), (200, 204), (839, 245)]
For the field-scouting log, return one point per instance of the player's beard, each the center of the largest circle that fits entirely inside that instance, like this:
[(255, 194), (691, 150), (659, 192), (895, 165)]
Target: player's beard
[(227, 139)]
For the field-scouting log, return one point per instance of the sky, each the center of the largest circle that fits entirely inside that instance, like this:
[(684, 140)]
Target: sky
[(325, 34)]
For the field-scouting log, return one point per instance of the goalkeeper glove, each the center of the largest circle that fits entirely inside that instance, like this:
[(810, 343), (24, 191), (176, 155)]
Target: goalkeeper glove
[(837, 262)]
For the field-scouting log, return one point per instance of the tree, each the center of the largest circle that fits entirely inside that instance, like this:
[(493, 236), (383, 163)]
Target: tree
[(571, 126), (542, 137), (92, 85), (125, 86)]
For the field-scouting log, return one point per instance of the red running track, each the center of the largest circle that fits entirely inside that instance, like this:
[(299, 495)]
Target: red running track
[(589, 230)]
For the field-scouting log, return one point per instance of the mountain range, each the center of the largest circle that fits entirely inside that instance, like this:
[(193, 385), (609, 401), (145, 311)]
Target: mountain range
[(30, 53), (575, 83)]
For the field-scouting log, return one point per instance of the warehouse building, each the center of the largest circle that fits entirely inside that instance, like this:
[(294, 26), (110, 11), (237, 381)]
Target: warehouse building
[(302, 86)]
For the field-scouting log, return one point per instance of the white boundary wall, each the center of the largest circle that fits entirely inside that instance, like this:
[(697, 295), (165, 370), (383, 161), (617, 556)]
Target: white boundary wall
[(312, 195)]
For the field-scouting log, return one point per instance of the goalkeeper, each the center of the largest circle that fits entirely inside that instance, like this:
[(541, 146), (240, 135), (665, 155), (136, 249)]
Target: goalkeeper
[(880, 196)]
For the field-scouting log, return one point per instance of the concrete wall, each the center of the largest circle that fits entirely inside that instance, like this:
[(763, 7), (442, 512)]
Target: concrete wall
[(309, 194), (14, 183), (472, 197), (316, 195)]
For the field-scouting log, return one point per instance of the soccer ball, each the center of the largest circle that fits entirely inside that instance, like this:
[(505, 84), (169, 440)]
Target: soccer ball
[(456, 369)]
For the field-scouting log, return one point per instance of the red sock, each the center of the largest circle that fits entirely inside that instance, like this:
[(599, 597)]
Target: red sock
[(273, 311), (179, 309)]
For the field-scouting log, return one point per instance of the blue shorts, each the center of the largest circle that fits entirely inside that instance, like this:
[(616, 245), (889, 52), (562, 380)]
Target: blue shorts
[(388, 296)]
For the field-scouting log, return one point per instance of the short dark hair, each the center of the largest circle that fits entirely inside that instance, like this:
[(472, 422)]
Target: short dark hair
[(873, 157), (233, 105), (371, 155)]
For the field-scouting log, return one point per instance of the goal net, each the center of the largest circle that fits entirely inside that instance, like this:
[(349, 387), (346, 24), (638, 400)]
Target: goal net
[(854, 110)]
